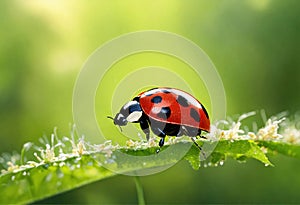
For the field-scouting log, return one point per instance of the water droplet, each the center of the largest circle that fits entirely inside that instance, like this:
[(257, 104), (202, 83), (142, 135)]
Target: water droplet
[(46, 166), (48, 177), (24, 173), (13, 177), (72, 167), (222, 163), (144, 163), (109, 161), (59, 173), (266, 165)]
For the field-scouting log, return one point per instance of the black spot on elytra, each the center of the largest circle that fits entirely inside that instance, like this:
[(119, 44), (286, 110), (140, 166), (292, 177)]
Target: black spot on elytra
[(182, 101), (164, 113), (195, 115), (205, 112), (165, 91), (156, 99)]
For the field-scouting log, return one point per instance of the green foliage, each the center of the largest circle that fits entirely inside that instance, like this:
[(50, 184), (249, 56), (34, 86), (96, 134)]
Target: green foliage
[(287, 149), (253, 43), (28, 185), (64, 164), (24, 185)]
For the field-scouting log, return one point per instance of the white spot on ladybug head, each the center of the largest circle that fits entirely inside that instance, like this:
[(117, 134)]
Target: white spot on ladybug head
[(134, 116), (119, 116), (120, 120)]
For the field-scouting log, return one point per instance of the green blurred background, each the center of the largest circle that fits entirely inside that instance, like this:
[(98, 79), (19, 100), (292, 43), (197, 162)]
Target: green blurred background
[(253, 43)]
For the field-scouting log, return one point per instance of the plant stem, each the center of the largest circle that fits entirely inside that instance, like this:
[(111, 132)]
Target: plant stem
[(139, 189)]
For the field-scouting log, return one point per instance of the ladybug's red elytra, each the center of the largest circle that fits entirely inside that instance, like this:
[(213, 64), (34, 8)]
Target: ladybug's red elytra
[(167, 111)]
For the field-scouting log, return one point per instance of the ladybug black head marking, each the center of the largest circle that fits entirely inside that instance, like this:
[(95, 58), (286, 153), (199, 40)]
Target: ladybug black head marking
[(130, 112)]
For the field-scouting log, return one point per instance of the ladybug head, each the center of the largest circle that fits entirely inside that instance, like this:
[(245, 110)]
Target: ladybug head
[(130, 112)]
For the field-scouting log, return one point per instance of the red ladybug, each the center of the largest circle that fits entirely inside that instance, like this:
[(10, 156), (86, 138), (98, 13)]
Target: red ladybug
[(167, 111)]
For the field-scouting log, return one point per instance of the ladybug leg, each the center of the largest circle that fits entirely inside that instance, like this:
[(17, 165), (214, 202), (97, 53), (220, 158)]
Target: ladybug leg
[(182, 131), (161, 142), (145, 127), (200, 136), (196, 144), (201, 151), (161, 134)]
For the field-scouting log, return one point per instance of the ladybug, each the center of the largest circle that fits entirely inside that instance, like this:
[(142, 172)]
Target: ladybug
[(167, 111)]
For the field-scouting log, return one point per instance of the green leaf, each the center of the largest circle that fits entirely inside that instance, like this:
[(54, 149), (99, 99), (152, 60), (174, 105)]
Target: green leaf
[(292, 150), (241, 150), (193, 157), (49, 179), (28, 184)]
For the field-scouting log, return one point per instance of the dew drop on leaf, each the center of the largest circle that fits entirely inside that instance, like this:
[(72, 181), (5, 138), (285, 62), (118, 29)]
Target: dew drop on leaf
[(48, 177), (72, 167), (46, 166), (222, 163), (62, 164), (59, 173)]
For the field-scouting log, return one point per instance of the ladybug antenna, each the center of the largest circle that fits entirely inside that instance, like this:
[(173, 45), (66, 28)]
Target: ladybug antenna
[(109, 117)]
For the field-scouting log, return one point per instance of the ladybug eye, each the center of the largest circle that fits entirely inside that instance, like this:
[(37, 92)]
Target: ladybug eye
[(109, 117)]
